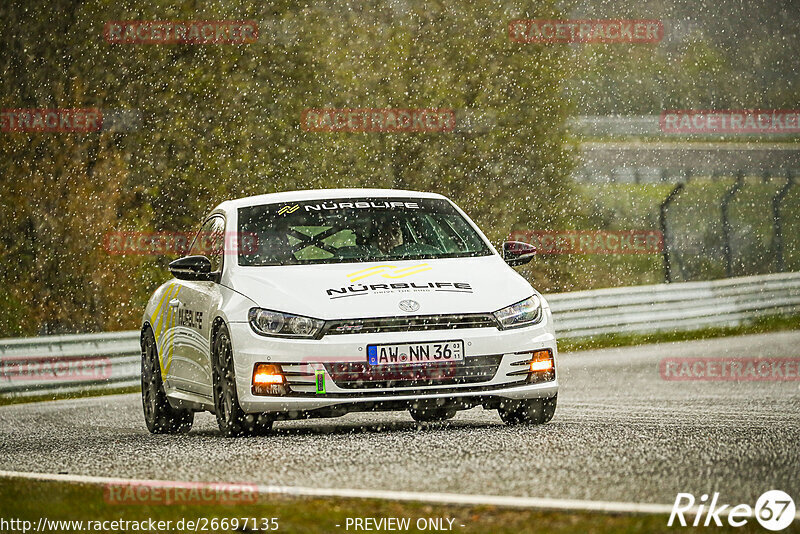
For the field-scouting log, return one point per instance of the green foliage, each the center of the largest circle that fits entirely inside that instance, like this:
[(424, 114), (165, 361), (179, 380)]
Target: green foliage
[(223, 121), (715, 54)]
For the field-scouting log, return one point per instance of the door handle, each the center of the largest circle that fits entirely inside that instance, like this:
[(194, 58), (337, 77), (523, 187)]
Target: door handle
[(174, 303)]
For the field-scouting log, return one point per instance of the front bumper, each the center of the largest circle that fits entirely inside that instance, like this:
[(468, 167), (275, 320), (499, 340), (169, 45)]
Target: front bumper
[(304, 360)]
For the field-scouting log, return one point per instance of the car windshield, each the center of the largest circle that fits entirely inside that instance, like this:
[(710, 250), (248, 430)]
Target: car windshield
[(356, 230)]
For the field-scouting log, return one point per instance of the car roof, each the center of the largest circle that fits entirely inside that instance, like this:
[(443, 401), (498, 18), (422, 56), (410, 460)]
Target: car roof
[(321, 194)]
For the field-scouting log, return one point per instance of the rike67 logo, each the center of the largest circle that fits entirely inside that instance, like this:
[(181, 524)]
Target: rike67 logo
[(774, 510)]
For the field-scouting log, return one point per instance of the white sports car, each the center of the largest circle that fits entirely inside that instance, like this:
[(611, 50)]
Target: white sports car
[(319, 303)]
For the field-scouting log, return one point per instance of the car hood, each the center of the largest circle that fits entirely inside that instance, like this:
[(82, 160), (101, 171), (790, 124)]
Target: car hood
[(359, 290)]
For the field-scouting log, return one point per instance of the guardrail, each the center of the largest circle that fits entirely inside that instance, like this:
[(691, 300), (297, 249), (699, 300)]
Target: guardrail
[(648, 126), (675, 307), (67, 364), (85, 362)]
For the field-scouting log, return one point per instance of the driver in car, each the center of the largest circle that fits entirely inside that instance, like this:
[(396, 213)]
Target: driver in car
[(386, 235)]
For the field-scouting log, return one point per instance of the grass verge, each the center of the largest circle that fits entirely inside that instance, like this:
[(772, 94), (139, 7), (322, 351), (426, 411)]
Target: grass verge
[(59, 501), (61, 396)]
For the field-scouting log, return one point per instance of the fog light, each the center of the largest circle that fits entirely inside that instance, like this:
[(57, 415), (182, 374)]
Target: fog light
[(268, 379), (542, 367), (542, 361)]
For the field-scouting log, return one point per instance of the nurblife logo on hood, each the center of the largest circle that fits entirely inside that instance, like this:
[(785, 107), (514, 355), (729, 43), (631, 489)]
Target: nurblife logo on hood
[(393, 272)]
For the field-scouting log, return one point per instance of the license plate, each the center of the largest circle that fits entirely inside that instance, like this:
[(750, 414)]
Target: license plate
[(415, 353)]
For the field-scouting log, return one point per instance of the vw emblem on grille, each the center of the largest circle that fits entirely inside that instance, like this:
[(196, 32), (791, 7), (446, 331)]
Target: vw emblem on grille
[(409, 305)]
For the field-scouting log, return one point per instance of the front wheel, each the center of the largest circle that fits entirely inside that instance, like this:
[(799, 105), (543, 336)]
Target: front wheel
[(159, 415), (231, 419), (530, 411)]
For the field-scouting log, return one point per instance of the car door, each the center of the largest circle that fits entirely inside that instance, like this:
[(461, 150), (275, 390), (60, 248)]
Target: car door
[(194, 307)]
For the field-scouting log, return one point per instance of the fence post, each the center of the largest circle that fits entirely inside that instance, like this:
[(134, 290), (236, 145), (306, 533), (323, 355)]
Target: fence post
[(777, 221), (726, 225), (662, 218)]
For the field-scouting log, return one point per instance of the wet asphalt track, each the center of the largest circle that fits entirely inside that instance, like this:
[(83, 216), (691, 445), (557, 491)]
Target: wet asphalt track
[(620, 433)]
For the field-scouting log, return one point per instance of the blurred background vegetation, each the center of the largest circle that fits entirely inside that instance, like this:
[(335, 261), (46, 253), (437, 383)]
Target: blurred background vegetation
[(223, 121)]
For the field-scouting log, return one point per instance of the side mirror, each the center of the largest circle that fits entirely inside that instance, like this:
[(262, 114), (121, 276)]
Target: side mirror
[(518, 253), (192, 268)]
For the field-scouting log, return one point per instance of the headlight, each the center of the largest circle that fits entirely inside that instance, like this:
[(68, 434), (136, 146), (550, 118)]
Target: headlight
[(523, 313), (274, 323)]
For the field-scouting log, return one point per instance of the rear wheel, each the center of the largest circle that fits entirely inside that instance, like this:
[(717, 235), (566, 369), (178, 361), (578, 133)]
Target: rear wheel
[(432, 415), (232, 420), (159, 415), (530, 411)]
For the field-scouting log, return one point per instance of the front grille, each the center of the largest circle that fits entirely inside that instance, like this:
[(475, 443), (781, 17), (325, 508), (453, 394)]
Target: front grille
[(361, 375), (409, 324)]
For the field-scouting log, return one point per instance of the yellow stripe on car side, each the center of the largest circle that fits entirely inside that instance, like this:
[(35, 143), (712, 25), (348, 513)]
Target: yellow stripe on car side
[(157, 325), (165, 369), (162, 320)]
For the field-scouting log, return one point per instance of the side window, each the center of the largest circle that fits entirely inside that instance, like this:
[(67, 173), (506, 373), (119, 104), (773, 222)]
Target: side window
[(210, 242)]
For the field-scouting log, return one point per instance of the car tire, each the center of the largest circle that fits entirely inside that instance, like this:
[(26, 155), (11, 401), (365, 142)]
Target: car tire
[(529, 412), (431, 415), (231, 419), (159, 415)]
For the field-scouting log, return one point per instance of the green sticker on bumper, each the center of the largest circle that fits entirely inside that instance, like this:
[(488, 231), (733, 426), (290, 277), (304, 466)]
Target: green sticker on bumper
[(319, 374)]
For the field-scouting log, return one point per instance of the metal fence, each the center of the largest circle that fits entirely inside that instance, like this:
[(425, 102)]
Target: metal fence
[(75, 363)]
